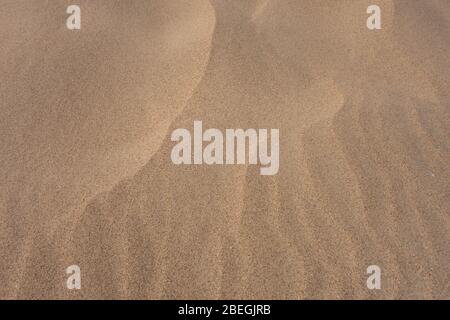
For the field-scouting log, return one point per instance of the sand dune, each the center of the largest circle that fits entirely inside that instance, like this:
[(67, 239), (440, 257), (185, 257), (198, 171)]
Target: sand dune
[(364, 175)]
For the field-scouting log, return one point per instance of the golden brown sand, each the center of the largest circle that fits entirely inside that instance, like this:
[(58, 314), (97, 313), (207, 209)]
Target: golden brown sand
[(86, 175)]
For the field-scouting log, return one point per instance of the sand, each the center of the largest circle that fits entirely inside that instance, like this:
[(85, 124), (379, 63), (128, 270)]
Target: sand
[(85, 169)]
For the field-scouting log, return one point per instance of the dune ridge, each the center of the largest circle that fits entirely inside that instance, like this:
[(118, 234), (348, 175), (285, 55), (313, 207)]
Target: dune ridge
[(364, 176)]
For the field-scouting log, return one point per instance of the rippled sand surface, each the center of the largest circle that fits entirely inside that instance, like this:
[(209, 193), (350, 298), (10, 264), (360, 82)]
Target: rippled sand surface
[(85, 169)]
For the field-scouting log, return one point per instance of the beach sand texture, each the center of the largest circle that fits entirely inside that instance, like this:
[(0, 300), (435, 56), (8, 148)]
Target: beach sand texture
[(87, 179)]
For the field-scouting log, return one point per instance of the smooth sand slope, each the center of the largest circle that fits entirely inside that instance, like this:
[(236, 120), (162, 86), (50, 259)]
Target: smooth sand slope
[(364, 119)]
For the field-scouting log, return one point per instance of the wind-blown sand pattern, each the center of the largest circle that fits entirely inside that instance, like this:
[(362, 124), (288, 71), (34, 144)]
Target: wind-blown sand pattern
[(86, 175)]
